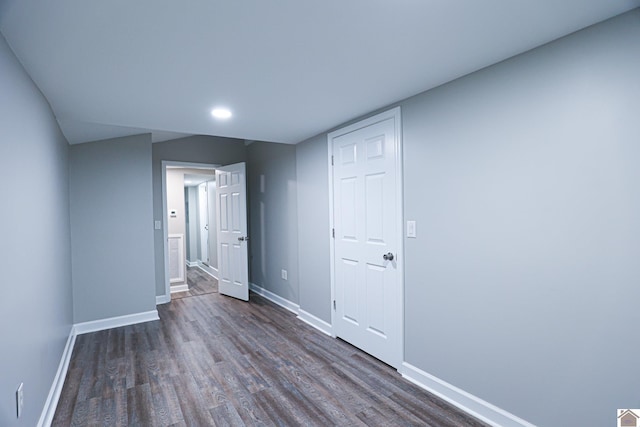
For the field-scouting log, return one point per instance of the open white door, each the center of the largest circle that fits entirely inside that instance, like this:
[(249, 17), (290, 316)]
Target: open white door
[(233, 267)]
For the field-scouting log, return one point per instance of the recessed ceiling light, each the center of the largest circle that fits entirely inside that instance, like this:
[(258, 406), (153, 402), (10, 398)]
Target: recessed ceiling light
[(188, 182), (221, 113)]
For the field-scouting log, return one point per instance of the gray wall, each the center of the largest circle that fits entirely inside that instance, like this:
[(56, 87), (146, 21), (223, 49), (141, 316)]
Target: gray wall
[(35, 259), (313, 227), (195, 149), (273, 213), (111, 228), (522, 286)]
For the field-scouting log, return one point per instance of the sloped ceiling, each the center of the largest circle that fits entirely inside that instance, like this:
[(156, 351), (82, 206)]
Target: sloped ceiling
[(288, 69)]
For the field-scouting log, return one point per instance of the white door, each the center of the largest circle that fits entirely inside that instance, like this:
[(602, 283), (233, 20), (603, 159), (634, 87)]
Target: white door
[(203, 216), (231, 225), (368, 236)]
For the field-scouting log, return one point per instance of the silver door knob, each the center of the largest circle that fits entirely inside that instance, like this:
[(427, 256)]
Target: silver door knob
[(388, 256), (243, 239)]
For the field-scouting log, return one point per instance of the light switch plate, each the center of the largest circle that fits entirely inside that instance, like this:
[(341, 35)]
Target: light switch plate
[(158, 225), (411, 229)]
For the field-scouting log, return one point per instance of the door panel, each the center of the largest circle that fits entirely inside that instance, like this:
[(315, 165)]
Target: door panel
[(233, 267), (367, 287)]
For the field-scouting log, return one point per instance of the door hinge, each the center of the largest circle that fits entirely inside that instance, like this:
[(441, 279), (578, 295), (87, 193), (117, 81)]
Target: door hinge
[(333, 233), (331, 160), (334, 304)]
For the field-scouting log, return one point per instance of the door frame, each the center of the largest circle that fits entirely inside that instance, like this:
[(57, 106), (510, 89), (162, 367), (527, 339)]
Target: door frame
[(395, 114), (163, 299)]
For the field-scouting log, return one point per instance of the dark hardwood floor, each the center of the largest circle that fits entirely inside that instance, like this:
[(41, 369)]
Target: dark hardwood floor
[(199, 282), (213, 360)]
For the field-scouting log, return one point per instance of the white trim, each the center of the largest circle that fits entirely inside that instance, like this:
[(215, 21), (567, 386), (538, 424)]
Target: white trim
[(276, 299), (49, 410), (179, 288), (182, 266), (115, 322), (165, 220), (467, 402), (396, 114), (192, 263), (213, 272), (163, 299), (316, 322)]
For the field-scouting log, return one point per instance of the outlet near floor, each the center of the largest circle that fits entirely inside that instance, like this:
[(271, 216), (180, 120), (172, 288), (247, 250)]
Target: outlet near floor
[(284, 274)]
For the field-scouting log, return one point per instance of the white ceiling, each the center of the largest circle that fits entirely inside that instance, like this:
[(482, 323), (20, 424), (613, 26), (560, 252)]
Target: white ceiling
[(289, 69)]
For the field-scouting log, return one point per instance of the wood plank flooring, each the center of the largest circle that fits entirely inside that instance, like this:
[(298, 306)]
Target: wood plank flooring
[(199, 283), (213, 360)]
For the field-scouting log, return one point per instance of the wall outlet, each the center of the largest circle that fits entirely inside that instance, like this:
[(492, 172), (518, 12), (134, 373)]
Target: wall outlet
[(284, 275), (157, 225), (19, 400)]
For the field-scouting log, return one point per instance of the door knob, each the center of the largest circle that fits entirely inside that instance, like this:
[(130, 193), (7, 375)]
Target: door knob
[(388, 256), (243, 239)]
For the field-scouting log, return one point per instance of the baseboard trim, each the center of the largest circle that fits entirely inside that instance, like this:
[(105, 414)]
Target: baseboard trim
[(459, 398), (179, 288), (213, 272), (49, 410), (115, 322), (316, 322), (163, 299), (192, 263), (274, 298)]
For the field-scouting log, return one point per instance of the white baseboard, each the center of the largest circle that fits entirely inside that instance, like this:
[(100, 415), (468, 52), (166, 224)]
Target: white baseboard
[(467, 402), (115, 322), (163, 299), (49, 410), (192, 263), (179, 288), (276, 299), (213, 272), (316, 322)]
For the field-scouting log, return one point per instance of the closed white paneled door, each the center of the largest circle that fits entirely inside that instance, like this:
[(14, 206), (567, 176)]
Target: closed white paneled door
[(367, 228), (231, 226)]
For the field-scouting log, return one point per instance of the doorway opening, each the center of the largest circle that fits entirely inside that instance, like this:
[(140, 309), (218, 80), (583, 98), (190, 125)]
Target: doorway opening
[(187, 223), (204, 213)]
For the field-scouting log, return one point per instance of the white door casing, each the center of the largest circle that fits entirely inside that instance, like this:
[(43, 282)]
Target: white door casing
[(213, 230), (203, 216), (367, 284), (231, 226)]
